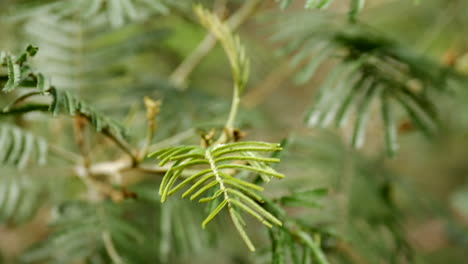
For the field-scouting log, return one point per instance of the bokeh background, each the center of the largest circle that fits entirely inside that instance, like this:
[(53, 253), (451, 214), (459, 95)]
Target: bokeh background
[(114, 62)]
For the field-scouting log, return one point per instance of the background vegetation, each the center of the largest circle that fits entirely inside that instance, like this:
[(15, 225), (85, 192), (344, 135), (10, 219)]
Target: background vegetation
[(105, 103)]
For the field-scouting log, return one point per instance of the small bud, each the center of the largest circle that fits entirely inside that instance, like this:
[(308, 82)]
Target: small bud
[(152, 107)]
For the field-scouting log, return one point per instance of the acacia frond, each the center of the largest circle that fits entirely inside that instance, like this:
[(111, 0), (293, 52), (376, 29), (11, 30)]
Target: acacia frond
[(17, 69), (19, 147), (240, 64), (83, 232), (380, 220), (66, 103), (20, 197), (371, 68), (114, 12), (180, 233), (63, 102), (294, 242), (84, 57), (218, 162)]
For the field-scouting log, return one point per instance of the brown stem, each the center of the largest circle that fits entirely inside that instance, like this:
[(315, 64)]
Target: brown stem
[(65, 154), (80, 138), (123, 145)]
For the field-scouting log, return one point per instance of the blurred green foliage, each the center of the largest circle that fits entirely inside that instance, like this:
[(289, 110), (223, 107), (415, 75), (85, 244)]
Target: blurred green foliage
[(76, 185)]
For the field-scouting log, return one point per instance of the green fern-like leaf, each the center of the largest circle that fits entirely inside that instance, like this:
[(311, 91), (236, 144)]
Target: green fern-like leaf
[(371, 182), (180, 233), (14, 74), (296, 248), (114, 12), (63, 102), (20, 197), (84, 232), (240, 64), (19, 147), (89, 57), (17, 69), (294, 242), (66, 103), (220, 162), (372, 71)]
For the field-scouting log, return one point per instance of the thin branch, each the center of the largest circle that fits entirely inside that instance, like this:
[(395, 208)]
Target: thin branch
[(111, 168), (123, 145), (79, 126), (24, 83), (147, 169), (181, 73), (20, 99), (25, 109), (65, 154), (110, 248)]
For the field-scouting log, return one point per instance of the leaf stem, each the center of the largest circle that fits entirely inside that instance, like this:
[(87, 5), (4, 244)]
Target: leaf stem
[(228, 201), (65, 154), (234, 108), (110, 248), (123, 145), (20, 99), (218, 177), (229, 127)]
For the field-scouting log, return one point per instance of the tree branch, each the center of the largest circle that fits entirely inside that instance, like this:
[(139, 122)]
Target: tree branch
[(80, 138), (65, 154), (123, 145), (20, 99), (25, 109)]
